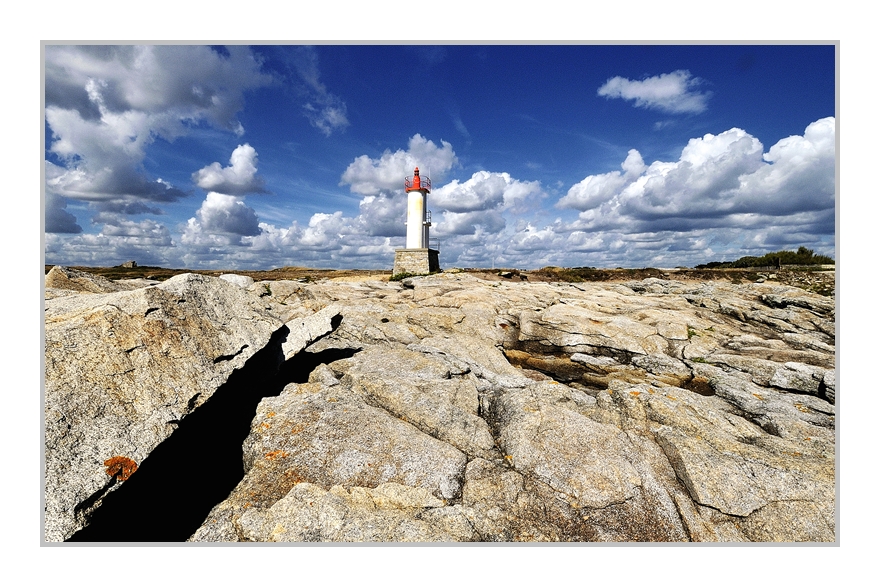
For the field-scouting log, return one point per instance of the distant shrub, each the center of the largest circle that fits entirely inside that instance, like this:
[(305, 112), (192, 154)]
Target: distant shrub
[(803, 256)]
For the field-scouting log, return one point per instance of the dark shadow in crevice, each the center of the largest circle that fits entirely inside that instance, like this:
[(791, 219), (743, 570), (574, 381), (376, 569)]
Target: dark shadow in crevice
[(699, 385), (823, 392), (194, 469), (298, 369), (85, 505)]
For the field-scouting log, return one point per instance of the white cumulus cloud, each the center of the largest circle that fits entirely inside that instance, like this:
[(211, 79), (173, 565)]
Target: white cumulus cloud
[(120, 240), (383, 215), (368, 176), (481, 202), (723, 198), (598, 189), (462, 223), (239, 178), (674, 92), (324, 231), (106, 104), (222, 220)]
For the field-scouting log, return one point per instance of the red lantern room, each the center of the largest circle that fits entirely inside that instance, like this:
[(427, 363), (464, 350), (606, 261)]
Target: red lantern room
[(417, 183)]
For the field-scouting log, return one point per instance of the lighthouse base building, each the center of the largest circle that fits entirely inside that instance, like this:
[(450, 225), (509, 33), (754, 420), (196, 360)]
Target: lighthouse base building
[(416, 261), (417, 258)]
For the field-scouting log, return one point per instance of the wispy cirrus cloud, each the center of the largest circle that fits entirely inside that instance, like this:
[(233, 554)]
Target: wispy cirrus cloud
[(324, 110)]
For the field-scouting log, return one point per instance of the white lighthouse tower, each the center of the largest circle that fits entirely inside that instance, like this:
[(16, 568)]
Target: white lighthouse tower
[(417, 222), (417, 258)]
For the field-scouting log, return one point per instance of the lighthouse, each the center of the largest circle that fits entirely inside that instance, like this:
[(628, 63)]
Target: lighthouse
[(417, 222), (417, 258)]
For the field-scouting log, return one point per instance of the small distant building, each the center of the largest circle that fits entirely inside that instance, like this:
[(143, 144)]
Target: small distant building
[(417, 258), (129, 264)]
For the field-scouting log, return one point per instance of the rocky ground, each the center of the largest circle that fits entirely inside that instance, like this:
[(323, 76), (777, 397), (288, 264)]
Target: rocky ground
[(453, 407)]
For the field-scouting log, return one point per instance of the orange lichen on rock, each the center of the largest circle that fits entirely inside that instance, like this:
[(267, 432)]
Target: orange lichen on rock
[(293, 477), (635, 393), (271, 456), (120, 467)]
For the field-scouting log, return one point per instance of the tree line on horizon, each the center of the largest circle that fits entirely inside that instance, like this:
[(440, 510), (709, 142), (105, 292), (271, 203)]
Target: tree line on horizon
[(803, 256)]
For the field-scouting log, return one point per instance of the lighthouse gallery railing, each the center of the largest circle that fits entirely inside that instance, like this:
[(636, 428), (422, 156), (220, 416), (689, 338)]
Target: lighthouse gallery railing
[(425, 182)]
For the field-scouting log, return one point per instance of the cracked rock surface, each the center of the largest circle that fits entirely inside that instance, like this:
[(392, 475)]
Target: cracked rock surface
[(469, 410), (124, 367), (644, 411)]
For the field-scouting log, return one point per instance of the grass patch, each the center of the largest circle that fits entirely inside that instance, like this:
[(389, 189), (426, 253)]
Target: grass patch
[(403, 275)]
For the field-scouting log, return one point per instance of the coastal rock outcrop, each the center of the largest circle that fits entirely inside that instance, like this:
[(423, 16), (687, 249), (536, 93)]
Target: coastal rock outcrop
[(123, 369), (450, 408)]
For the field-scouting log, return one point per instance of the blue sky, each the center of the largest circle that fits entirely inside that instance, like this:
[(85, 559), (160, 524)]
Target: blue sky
[(575, 155)]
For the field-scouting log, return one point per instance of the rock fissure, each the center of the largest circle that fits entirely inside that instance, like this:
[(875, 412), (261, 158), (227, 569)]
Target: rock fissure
[(231, 356), (197, 466)]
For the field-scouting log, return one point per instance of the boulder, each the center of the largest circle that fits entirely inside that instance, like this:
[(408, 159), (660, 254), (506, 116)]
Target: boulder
[(65, 278), (306, 330), (240, 280), (800, 378), (123, 368)]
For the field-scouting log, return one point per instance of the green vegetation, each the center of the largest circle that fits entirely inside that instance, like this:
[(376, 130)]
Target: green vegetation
[(581, 274), (403, 275), (802, 257)]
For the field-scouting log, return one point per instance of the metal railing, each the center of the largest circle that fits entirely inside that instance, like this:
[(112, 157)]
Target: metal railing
[(425, 182)]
